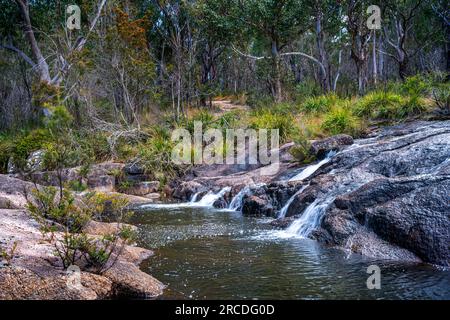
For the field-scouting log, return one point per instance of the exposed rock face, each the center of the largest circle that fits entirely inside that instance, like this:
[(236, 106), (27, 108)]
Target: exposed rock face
[(99, 177), (18, 283), (214, 177), (267, 200), (143, 188), (335, 143), (104, 228), (258, 206), (393, 186), (35, 272)]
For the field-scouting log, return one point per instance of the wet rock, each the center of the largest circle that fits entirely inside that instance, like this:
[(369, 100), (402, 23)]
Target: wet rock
[(133, 169), (390, 190), (335, 143), (256, 206), (283, 223), (186, 190)]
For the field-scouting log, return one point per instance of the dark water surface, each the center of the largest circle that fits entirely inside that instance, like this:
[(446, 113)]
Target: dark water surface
[(204, 253)]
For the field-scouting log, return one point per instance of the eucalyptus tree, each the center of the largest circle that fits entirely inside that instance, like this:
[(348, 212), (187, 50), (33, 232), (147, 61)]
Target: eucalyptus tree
[(274, 24)]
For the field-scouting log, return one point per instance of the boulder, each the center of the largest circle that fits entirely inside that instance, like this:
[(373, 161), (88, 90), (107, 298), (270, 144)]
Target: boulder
[(18, 283), (320, 148), (256, 206), (130, 281), (133, 169), (105, 228), (386, 196), (143, 188)]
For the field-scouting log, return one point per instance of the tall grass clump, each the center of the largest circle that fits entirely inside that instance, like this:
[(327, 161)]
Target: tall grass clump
[(341, 119), (319, 104), (380, 105), (268, 119)]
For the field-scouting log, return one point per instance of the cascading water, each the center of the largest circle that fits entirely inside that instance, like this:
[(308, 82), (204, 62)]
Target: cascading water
[(194, 197), (209, 198), (236, 202), (284, 210), (309, 170), (207, 201), (309, 220)]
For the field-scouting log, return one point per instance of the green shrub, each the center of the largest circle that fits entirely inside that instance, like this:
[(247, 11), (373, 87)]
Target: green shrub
[(6, 150), (155, 156), (301, 150), (380, 105), (441, 96), (259, 100), (73, 246), (340, 119), (415, 86), (319, 104), (267, 119), (307, 88)]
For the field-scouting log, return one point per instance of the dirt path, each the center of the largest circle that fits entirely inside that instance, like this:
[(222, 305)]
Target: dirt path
[(225, 106)]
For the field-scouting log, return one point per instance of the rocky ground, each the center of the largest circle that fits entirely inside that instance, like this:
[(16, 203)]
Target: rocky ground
[(388, 195), (35, 273)]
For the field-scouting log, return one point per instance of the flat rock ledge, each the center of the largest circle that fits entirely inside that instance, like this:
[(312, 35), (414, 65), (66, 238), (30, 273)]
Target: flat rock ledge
[(34, 272)]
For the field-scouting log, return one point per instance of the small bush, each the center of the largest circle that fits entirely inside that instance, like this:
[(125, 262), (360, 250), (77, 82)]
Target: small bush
[(8, 255), (307, 89), (267, 119), (319, 104), (380, 105), (301, 150), (72, 245), (441, 96), (340, 119)]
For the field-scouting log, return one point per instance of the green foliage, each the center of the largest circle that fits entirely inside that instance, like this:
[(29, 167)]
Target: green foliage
[(267, 119), (306, 89), (441, 96), (301, 150), (47, 205), (8, 255), (77, 185), (319, 104), (380, 105), (155, 156), (340, 119), (72, 245)]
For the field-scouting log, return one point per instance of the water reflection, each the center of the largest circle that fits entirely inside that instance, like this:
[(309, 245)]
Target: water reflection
[(208, 254)]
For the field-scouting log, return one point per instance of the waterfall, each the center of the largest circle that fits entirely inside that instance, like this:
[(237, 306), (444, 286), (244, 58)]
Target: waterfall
[(207, 201), (209, 198), (309, 220), (309, 170), (194, 197), (236, 202), (284, 210)]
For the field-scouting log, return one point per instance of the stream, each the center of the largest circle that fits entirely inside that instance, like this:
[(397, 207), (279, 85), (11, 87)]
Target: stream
[(207, 253)]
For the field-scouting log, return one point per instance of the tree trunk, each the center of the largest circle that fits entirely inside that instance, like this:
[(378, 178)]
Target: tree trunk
[(41, 64), (323, 57), (278, 91)]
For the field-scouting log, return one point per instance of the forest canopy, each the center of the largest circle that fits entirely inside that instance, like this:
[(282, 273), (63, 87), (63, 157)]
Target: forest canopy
[(136, 66)]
